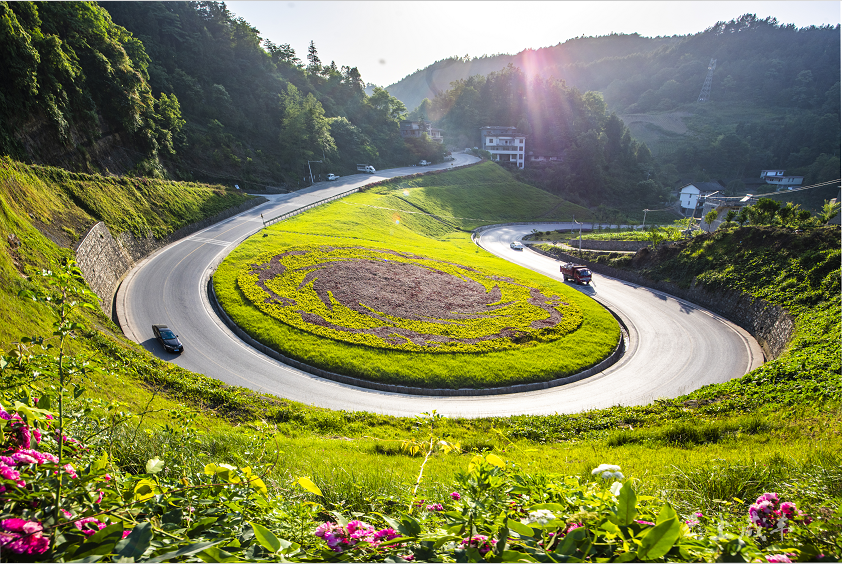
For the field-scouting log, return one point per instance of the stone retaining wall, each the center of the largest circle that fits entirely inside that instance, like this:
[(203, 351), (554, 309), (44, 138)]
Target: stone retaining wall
[(104, 260), (770, 324), (612, 358)]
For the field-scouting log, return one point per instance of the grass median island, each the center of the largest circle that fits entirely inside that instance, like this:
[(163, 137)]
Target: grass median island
[(371, 287)]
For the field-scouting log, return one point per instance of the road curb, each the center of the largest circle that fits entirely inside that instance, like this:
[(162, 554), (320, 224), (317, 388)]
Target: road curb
[(615, 355)]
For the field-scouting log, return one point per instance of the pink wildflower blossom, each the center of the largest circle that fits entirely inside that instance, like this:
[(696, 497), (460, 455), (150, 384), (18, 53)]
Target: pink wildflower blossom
[(642, 522), (435, 507), (20, 536), (89, 525), (777, 558), (480, 542), (455, 496)]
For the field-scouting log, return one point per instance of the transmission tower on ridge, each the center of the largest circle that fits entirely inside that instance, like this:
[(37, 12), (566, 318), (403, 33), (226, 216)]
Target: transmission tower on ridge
[(705, 93)]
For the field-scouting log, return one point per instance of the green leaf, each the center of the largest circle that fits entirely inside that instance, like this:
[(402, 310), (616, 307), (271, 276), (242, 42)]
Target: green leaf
[(409, 526), (667, 513), (134, 545), (554, 507), (266, 538), (514, 556), (495, 460), (185, 551), (154, 465), (626, 505), (216, 554), (626, 557), (308, 485), (571, 541), (520, 528), (659, 540), (100, 543)]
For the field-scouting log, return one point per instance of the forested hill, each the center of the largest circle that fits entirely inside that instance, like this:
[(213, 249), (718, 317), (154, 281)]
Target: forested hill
[(757, 59), (548, 61), (182, 89)]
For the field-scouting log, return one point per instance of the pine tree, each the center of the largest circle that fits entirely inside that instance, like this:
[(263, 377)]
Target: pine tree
[(313, 58)]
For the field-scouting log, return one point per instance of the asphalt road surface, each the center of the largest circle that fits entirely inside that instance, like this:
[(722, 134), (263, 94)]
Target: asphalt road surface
[(674, 347)]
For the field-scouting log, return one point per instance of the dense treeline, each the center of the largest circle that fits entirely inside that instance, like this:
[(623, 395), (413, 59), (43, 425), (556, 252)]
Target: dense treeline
[(600, 162), (774, 99), (188, 89), (70, 76)]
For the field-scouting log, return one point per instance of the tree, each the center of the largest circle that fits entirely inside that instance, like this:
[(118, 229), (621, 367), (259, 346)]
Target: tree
[(314, 63), (710, 217)]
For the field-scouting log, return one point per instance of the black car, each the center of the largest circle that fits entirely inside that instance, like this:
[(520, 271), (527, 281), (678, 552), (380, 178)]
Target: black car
[(167, 338)]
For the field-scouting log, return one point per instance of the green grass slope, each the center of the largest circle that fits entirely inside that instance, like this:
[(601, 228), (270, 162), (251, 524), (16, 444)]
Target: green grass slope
[(425, 215)]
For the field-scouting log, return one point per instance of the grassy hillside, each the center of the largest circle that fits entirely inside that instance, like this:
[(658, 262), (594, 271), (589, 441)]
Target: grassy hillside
[(714, 451)]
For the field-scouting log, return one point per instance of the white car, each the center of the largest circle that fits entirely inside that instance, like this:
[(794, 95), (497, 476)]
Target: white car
[(332, 176), (517, 245)]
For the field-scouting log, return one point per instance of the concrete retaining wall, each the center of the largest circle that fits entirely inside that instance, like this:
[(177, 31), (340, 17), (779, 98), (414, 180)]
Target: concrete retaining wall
[(591, 245), (105, 260), (614, 357), (770, 324)]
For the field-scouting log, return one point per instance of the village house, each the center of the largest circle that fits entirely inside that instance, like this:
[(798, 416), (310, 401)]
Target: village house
[(690, 195), (504, 143), (776, 178)]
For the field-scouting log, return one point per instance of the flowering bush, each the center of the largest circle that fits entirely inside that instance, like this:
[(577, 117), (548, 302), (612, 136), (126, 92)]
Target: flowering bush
[(342, 538)]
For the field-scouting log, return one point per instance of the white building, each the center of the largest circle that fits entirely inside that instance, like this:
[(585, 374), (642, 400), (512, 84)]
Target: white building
[(776, 178), (689, 195), (504, 143)]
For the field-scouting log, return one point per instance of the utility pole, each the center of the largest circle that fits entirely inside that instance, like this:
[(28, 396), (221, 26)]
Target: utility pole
[(644, 219), (580, 232), (311, 169)]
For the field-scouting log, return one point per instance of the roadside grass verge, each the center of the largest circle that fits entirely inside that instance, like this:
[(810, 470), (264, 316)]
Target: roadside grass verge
[(374, 220)]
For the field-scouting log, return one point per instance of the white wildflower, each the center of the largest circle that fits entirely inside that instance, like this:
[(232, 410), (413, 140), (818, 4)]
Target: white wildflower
[(540, 516), (605, 468), (616, 487)]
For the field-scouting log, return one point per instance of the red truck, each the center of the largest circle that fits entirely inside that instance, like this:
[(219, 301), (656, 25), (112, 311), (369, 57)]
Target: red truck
[(576, 272)]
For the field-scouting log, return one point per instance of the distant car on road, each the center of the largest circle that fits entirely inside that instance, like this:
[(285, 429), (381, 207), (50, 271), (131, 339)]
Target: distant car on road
[(424, 163), (517, 245), (332, 176), (167, 338)]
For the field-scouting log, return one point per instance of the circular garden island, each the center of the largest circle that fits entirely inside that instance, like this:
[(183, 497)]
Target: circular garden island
[(397, 317)]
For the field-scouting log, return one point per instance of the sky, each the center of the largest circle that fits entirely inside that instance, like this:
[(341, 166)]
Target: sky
[(388, 40)]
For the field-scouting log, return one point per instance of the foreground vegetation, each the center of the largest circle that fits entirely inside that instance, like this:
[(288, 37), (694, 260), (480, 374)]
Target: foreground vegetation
[(155, 428)]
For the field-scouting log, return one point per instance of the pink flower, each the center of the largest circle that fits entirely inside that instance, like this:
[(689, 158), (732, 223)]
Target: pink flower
[(89, 525), (455, 496), (642, 522), (435, 507), (67, 514), (777, 558), (37, 434), (22, 457), (20, 536), (480, 542), (100, 496), (69, 469)]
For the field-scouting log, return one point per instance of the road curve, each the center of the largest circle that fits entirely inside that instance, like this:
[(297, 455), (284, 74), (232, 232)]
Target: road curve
[(674, 346)]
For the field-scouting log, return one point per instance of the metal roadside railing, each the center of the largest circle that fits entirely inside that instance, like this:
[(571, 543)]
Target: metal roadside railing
[(283, 216)]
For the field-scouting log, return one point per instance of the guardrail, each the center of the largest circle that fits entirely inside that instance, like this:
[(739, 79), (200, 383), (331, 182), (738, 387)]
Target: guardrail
[(283, 216)]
